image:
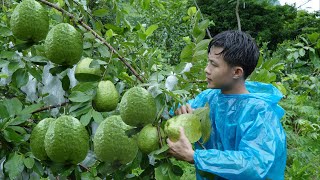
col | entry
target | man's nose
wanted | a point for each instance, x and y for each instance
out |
(206, 70)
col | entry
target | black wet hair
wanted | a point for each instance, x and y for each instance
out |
(239, 49)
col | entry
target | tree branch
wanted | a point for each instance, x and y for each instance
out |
(49, 107)
(80, 21)
(208, 32)
(237, 14)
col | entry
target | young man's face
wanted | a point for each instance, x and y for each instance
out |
(219, 74)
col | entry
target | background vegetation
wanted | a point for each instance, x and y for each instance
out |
(160, 39)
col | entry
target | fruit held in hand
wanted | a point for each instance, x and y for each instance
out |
(190, 123)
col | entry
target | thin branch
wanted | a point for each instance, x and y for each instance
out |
(208, 32)
(80, 21)
(49, 107)
(159, 133)
(237, 14)
(201, 145)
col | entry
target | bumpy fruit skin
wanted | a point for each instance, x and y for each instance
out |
(37, 138)
(29, 21)
(148, 139)
(111, 144)
(66, 140)
(191, 124)
(64, 45)
(138, 107)
(107, 97)
(86, 73)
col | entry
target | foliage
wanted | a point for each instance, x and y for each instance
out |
(265, 21)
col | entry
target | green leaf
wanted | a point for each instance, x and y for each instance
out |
(20, 119)
(77, 96)
(14, 166)
(202, 45)
(31, 108)
(186, 53)
(162, 172)
(20, 77)
(151, 29)
(7, 54)
(192, 11)
(11, 136)
(302, 52)
(58, 69)
(65, 83)
(3, 111)
(3, 75)
(100, 12)
(5, 32)
(206, 128)
(14, 106)
(200, 56)
(28, 162)
(160, 153)
(97, 116)
(104, 52)
(13, 66)
(85, 119)
(35, 73)
(40, 60)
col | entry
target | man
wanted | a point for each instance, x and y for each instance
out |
(247, 140)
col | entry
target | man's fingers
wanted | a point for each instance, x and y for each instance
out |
(189, 109)
(183, 110)
(178, 111)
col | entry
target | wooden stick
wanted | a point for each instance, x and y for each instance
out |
(49, 107)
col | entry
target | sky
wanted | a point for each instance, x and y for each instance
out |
(313, 5)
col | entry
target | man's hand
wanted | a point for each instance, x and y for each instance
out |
(182, 149)
(184, 109)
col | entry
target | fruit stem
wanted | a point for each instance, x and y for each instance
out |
(201, 145)
(80, 21)
(159, 133)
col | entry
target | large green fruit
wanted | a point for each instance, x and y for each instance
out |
(111, 143)
(37, 139)
(148, 139)
(138, 107)
(66, 140)
(107, 97)
(191, 124)
(85, 73)
(29, 21)
(64, 45)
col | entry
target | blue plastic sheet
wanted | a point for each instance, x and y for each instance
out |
(248, 141)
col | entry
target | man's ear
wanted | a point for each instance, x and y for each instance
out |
(237, 72)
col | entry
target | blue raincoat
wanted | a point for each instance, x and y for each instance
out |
(247, 139)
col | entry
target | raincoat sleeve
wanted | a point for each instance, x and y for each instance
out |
(255, 154)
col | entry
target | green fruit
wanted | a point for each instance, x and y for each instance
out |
(66, 140)
(111, 144)
(107, 97)
(148, 139)
(191, 124)
(85, 73)
(37, 139)
(64, 45)
(138, 107)
(29, 21)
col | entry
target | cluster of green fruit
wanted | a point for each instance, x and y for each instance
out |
(65, 139)
(63, 43)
